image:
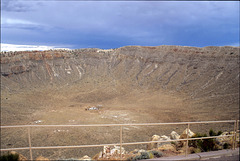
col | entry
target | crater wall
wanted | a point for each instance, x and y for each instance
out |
(198, 72)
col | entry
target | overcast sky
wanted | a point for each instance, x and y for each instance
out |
(113, 24)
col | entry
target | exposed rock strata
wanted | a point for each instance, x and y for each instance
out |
(199, 72)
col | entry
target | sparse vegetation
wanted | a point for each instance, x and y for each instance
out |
(213, 133)
(9, 157)
(206, 145)
(146, 155)
(226, 146)
(157, 154)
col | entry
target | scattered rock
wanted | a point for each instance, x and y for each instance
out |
(91, 108)
(116, 150)
(110, 152)
(58, 131)
(158, 138)
(164, 138)
(38, 121)
(167, 147)
(106, 149)
(141, 151)
(98, 107)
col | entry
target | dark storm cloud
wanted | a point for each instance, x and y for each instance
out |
(114, 23)
(14, 6)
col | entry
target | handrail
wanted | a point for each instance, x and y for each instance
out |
(134, 124)
(100, 145)
(121, 143)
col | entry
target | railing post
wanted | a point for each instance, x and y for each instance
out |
(29, 141)
(233, 137)
(235, 134)
(237, 130)
(187, 140)
(121, 142)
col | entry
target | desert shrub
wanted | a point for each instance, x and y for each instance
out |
(9, 157)
(145, 155)
(212, 133)
(157, 154)
(219, 133)
(197, 143)
(226, 146)
(204, 144)
(209, 145)
(151, 155)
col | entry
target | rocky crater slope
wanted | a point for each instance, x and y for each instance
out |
(132, 84)
(198, 72)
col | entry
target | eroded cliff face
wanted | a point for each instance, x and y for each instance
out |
(199, 72)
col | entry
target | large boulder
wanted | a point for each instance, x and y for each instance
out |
(158, 138)
(164, 138)
(174, 135)
(189, 133)
(181, 144)
(154, 145)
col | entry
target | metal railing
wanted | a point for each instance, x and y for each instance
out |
(30, 148)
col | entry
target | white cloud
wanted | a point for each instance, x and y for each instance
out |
(14, 47)
(9, 21)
